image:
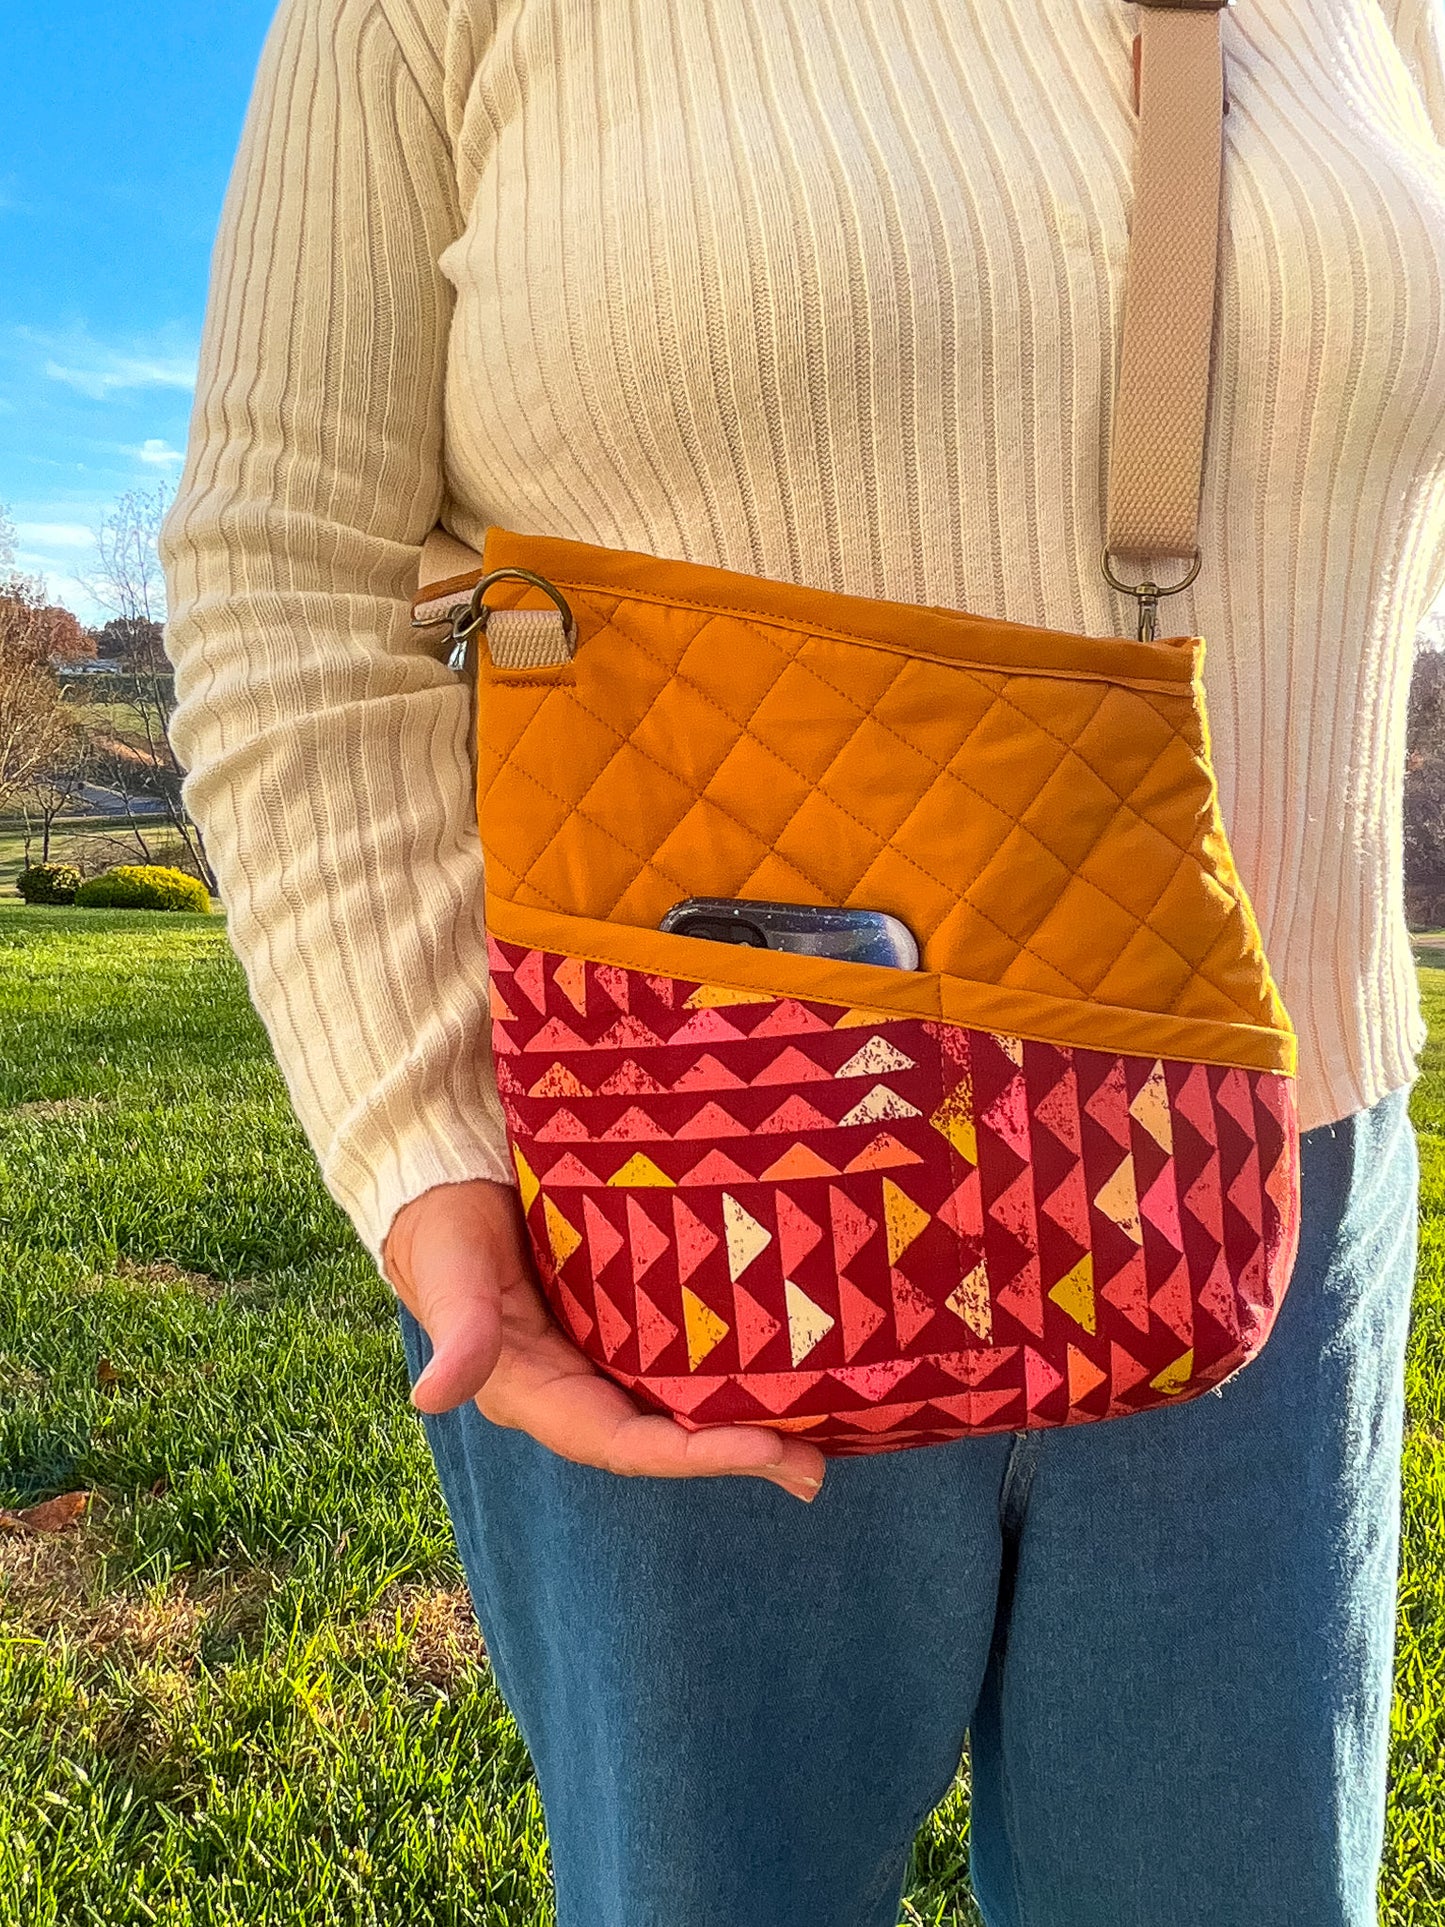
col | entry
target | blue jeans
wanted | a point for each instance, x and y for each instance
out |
(1168, 1636)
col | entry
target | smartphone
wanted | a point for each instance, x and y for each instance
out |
(849, 936)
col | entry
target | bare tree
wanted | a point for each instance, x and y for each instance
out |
(128, 580)
(129, 583)
(149, 789)
(34, 724)
(57, 789)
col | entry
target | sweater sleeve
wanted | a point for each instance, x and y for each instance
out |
(326, 748)
(1419, 30)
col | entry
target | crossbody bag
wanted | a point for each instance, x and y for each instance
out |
(1050, 1176)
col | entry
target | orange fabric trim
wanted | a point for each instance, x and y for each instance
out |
(896, 993)
(923, 630)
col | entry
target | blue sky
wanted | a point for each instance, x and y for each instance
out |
(117, 131)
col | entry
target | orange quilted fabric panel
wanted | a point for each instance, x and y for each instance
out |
(1037, 807)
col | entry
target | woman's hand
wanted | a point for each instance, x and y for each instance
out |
(457, 1258)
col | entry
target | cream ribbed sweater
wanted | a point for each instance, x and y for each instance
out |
(827, 290)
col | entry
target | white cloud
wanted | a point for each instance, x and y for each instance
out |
(60, 584)
(72, 594)
(55, 535)
(159, 453)
(60, 549)
(101, 380)
(100, 369)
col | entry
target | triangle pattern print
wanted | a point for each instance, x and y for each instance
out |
(880, 1231)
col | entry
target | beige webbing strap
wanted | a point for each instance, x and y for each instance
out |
(1157, 449)
(1157, 446)
(528, 639)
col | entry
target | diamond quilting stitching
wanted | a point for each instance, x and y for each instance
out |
(675, 666)
(910, 857)
(891, 844)
(1021, 940)
(972, 790)
(744, 727)
(641, 858)
(626, 740)
(1002, 701)
(1186, 855)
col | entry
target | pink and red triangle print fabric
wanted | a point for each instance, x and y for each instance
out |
(882, 1232)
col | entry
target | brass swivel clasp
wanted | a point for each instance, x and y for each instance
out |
(1147, 594)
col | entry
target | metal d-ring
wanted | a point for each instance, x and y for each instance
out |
(1148, 593)
(472, 620)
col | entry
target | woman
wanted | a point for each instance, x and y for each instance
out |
(830, 292)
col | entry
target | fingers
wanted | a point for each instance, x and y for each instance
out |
(451, 1256)
(580, 1415)
(465, 1330)
(457, 1259)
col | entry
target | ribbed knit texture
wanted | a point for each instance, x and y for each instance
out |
(826, 290)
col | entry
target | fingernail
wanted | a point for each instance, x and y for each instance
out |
(800, 1485)
(421, 1381)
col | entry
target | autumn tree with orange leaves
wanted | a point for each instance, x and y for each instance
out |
(38, 730)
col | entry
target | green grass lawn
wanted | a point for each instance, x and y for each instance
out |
(247, 1688)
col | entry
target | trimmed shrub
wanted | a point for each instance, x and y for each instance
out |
(143, 886)
(48, 883)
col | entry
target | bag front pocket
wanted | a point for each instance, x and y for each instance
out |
(754, 1206)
